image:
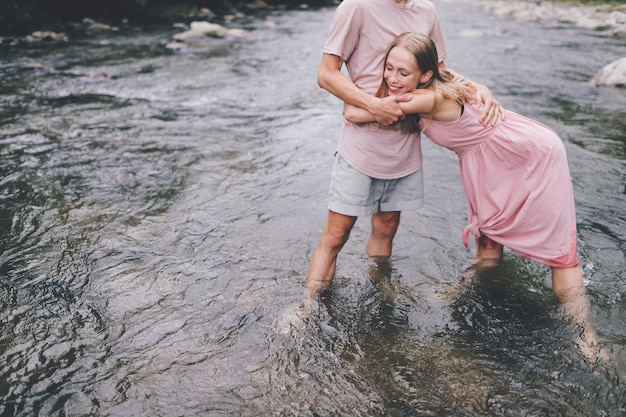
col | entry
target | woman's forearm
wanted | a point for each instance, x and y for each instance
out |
(354, 114)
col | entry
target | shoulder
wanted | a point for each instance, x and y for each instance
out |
(425, 94)
(349, 10)
(349, 5)
(371, 6)
(422, 102)
(424, 4)
(422, 91)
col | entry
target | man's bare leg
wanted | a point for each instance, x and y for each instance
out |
(324, 260)
(384, 227)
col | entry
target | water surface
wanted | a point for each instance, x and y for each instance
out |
(159, 208)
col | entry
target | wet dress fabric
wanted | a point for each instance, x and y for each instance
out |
(517, 184)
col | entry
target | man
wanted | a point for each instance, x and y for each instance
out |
(377, 169)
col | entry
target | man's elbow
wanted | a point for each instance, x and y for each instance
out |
(322, 80)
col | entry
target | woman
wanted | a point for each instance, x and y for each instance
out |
(515, 173)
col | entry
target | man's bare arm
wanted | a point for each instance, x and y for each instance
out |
(492, 110)
(386, 110)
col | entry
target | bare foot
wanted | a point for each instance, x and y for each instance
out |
(588, 344)
(293, 320)
(469, 277)
(576, 306)
(380, 274)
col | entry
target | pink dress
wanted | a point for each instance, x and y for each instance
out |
(517, 184)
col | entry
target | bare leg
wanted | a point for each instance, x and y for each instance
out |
(488, 249)
(384, 227)
(488, 252)
(321, 270)
(324, 261)
(567, 284)
(564, 279)
(380, 274)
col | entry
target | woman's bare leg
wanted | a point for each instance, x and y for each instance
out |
(567, 284)
(564, 279)
(488, 251)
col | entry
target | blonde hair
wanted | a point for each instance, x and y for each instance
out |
(448, 84)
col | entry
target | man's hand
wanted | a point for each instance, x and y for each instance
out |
(492, 110)
(388, 111)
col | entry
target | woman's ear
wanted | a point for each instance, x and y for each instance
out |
(426, 77)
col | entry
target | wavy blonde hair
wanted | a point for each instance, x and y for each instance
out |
(448, 84)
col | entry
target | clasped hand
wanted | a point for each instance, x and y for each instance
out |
(389, 111)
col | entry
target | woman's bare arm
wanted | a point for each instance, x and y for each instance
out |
(329, 77)
(421, 102)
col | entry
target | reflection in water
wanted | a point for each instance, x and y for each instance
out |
(504, 340)
(158, 211)
(521, 333)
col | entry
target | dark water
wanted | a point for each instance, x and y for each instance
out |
(158, 210)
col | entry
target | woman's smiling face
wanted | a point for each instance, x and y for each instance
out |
(401, 72)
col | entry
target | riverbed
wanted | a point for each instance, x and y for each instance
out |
(159, 209)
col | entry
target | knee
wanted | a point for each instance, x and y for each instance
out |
(385, 226)
(335, 237)
(386, 230)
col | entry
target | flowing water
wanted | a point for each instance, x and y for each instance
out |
(159, 208)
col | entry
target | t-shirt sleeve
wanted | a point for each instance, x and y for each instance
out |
(343, 36)
(436, 34)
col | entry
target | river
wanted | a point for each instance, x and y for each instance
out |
(159, 208)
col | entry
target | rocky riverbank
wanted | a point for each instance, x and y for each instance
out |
(39, 20)
(607, 18)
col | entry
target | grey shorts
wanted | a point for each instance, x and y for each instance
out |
(355, 194)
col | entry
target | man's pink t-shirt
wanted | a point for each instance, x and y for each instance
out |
(360, 33)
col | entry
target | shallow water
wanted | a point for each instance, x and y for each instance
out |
(159, 208)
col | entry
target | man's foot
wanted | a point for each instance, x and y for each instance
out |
(380, 274)
(294, 319)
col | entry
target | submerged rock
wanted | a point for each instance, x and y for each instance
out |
(93, 26)
(188, 34)
(608, 18)
(32, 66)
(203, 29)
(612, 75)
(45, 36)
(209, 29)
